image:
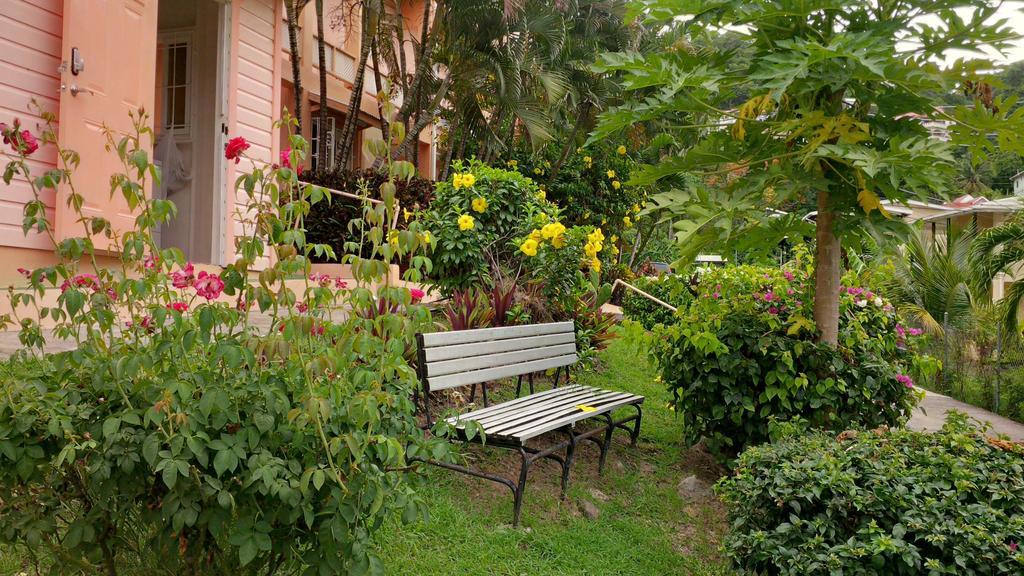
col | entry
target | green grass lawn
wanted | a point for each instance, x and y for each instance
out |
(644, 527)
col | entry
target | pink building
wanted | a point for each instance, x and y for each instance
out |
(207, 70)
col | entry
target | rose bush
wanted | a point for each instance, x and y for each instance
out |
(743, 353)
(179, 432)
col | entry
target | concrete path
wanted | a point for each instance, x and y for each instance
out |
(934, 411)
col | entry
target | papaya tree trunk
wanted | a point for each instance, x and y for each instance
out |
(827, 273)
(292, 12)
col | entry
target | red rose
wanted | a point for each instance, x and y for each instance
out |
(236, 146)
(29, 144)
(416, 294)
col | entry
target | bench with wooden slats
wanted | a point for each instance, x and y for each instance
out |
(475, 357)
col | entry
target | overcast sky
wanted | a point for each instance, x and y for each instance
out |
(1012, 11)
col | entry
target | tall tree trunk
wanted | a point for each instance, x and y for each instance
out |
(414, 97)
(292, 12)
(375, 55)
(446, 166)
(321, 152)
(570, 143)
(827, 273)
(355, 101)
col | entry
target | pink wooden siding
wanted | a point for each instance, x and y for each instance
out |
(256, 87)
(29, 56)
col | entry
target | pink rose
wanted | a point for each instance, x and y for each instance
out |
(184, 278)
(416, 294)
(302, 307)
(209, 286)
(151, 261)
(21, 141)
(178, 306)
(286, 160)
(340, 284)
(25, 272)
(235, 147)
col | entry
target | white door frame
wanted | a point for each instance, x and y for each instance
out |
(220, 166)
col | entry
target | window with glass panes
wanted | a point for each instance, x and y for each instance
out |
(177, 74)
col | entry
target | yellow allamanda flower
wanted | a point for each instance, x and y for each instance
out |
(425, 237)
(457, 181)
(615, 238)
(537, 171)
(592, 248)
(468, 180)
(627, 221)
(597, 236)
(406, 214)
(616, 184)
(595, 265)
(536, 235)
(542, 195)
(512, 163)
(588, 161)
(621, 150)
(393, 238)
(552, 230)
(466, 222)
(611, 173)
(636, 208)
(480, 204)
(558, 241)
(529, 247)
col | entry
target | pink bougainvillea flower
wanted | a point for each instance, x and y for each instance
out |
(417, 294)
(905, 380)
(1012, 546)
(82, 281)
(185, 277)
(178, 306)
(916, 331)
(788, 275)
(773, 311)
(716, 295)
(235, 147)
(769, 296)
(209, 286)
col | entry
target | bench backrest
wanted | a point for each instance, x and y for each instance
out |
(464, 357)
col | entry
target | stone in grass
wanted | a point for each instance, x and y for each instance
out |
(589, 509)
(598, 495)
(692, 490)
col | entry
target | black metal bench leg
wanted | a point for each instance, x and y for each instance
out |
(519, 386)
(570, 454)
(636, 427)
(606, 445)
(524, 469)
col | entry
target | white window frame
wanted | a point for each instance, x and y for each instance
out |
(169, 40)
(314, 141)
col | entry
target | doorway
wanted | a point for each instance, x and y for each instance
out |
(190, 116)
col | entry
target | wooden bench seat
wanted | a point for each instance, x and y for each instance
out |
(475, 357)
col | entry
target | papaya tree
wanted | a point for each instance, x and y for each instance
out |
(821, 108)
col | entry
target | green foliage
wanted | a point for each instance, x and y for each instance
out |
(328, 222)
(473, 257)
(744, 352)
(878, 502)
(671, 288)
(191, 439)
(582, 185)
(831, 88)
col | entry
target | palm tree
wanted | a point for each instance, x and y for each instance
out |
(1001, 250)
(934, 283)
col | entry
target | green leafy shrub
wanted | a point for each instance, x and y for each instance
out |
(474, 218)
(744, 352)
(327, 222)
(880, 502)
(671, 288)
(182, 434)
